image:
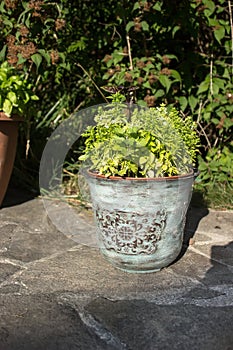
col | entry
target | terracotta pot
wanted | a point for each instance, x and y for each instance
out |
(140, 222)
(8, 144)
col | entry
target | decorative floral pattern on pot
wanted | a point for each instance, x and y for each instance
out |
(130, 233)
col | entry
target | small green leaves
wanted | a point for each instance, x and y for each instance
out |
(3, 52)
(209, 7)
(193, 101)
(217, 166)
(129, 26)
(204, 86)
(37, 59)
(7, 107)
(183, 102)
(157, 6)
(165, 81)
(45, 54)
(219, 33)
(152, 142)
(15, 92)
(145, 25)
(12, 97)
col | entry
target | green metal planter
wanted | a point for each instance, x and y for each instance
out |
(140, 222)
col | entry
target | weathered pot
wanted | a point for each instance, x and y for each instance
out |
(8, 145)
(140, 222)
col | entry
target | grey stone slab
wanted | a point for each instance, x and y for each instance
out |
(29, 246)
(143, 325)
(219, 222)
(192, 265)
(10, 288)
(36, 322)
(58, 294)
(206, 263)
(25, 241)
(30, 214)
(84, 269)
(217, 225)
(7, 270)
(221, 252)
(76, 222)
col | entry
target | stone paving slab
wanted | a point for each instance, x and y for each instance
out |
(58, 294)
(151, 326)
(37, 322)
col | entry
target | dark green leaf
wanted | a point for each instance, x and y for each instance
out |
(37, 59)
(129, 26)
(164, 80)
(219, 34)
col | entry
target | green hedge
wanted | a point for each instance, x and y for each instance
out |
(179, 53)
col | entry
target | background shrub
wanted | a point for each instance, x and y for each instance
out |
(179, 53)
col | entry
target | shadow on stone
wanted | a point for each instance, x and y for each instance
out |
(144, 325)
(198, 209)
(36, 322)
(199, 320)
(15, 196)
(215, 284)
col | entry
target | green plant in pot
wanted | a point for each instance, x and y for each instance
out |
(16, 97)
(138, 163)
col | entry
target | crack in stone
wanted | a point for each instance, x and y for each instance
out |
(78, 304)
(24, 266)
(13, 262)
(48, 257)
(230, 267)
(102, 332)
(30, 263)
(10, 280)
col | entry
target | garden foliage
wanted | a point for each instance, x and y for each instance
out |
(140, 142)
(177, 52)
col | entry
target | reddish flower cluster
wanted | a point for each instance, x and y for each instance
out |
(137, 24)
(140, 80)
(24, 31)
(152, 78)
(145, 5)
(165, 71)
(150, 100)
(59, 24)
(11, 4)
(54, 56)
(140, 64)
(36, 5)
(107, 58)
(26, 48)
(128, 77)
(166, 60)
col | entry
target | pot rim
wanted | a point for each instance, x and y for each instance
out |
(140, 179)
(12, 118)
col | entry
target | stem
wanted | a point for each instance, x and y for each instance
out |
(48, 114)
(211, 75)
(84, 70)
(231, 22)
(79, 105)
(201, 106)
(28, 139)
(199, 112)
(129, 52)
(204, 133)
